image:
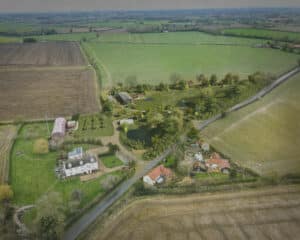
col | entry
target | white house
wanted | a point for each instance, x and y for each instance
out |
(86, 165)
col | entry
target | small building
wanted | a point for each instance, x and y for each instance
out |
(205, 147)
(128, 121)
(59, 128)
(198, 157)
(72, 125)
(76, 154)
(158, 175)
(86, 165)
(217, 164)
(124, 97)
(199, 166)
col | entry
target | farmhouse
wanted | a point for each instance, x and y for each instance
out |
(216, 164)
(124, 97)
(85, 165)
(158, 175)
(59, 128)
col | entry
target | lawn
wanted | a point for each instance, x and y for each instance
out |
(150, 63)
(265, 135)
(32, 175)
(91, 126)
(264, 33)
(111, 161)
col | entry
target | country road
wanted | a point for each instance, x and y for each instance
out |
(252, 99)
(90, 216)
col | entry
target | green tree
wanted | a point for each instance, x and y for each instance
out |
(6, 193)
(50, 219)
(203, 81)
(299, 62)
(213, 80)
(154, 119)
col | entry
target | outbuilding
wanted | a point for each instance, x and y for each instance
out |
(59, 128)
(124, 98)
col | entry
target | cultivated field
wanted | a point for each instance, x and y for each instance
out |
(265, 135)
(7, 135)
(271, 213)
(41, 54)
(264, 33)
(155, 63)
(35, 94)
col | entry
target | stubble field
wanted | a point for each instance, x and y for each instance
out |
(41, 54)
(46, 93)
(271, 213)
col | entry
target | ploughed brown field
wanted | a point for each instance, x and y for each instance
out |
(41, 54)
(35, 94)
(270, 213)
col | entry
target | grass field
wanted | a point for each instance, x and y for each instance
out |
(32, 175)
(264, 33)
(267, 213)
(265, 135)
(9, 39)
(7, 135)
(153, 64)
(111, 161)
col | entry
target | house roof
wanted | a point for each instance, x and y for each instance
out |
(160, 171)
(75, 163)
(215, 159)
(125, 97)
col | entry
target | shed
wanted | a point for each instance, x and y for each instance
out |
(59, 128)
(124, 97)
(128, 121)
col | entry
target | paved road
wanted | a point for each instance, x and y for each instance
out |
(89, 217)
(254, 98)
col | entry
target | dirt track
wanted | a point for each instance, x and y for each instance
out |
(272, 213)
(41, 54)
(26, 94)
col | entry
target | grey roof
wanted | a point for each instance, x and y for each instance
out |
(124, 97)
(75, 163)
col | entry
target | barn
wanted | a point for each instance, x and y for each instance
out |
(59, 128)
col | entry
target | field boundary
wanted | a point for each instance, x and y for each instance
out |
(281, 79)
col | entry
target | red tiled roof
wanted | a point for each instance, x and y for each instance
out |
(217, 160)
(160, 171)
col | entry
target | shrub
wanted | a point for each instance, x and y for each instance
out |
(6, 193)
(29, 40)
(41, 146)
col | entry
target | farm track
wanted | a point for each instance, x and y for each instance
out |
(7, 135)
(268, 213)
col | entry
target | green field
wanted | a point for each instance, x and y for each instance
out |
(32, 175)
(111, 161)
(264, 33)
(9, 39)
(150, 63)
(265, 135)
(154, 57)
